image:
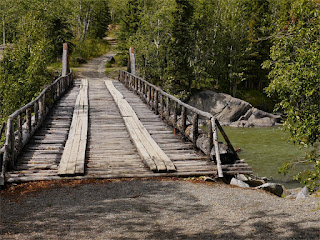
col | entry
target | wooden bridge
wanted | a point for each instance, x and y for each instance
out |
(96, 127)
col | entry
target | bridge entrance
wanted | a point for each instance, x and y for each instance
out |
(113, 146)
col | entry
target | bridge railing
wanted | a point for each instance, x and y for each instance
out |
(22, 124)
(176, 113)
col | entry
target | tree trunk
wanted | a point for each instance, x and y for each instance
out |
(3, 33)
(234, 91)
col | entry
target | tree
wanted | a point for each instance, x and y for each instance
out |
(23, 71)
(129, 25)
(295, 79)
(257, 17)
(180, 73)
(100, 20)
(152, 38)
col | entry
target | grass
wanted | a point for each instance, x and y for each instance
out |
(113, 71)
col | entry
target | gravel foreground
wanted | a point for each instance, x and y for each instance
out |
(155, 209)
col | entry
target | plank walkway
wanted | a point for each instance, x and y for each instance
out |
(149, 151)
(74, 154)
(110, 150)
(41, 156)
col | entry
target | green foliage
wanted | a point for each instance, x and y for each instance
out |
(295, 79)
(88, 49)
(186, 45)
(23, 69)
(100, 20)
(35, 31)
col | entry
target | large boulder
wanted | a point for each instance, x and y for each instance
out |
(232, 111)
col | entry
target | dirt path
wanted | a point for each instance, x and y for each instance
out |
(149, 209)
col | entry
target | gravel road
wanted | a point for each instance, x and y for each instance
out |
(155, 209)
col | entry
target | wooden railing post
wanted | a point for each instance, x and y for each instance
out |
(168, 109)
(175, 114)
(149, 96)
(145, 87)
(36, 112)
(161, 106)
(216, 147)
(184, 119)
(132, 61)
(28, 120)
(136, 84)
(195, 131)
(8, 158)
(20, 132)
(42, 107)
(156, 102)
(210, 136)
(65, 60)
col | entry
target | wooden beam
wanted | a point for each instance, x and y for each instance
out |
(216, 146)
(145, 144)
(73, 157)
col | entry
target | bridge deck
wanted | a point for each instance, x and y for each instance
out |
(110, 152)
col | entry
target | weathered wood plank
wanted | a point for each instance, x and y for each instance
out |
(73, 158)
(135, 127)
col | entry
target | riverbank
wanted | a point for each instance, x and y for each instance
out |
(153, 209)
(265, 149)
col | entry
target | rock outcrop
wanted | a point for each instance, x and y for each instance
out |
(232, 111)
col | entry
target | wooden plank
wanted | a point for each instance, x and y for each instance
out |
(135, 127)
(73, 158)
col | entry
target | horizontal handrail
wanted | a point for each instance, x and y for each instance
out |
(16, 113)
(22, 124)
(189, 107)
(155, 97)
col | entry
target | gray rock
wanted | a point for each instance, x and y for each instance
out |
(209, 179)
(242, 177)
(239, 183)
(226, 108)
(303, 193)
(275, 188)
(241, 123)
(261, 122)
(232, 111)
(255, 182)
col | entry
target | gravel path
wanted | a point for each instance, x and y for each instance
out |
(149, 209)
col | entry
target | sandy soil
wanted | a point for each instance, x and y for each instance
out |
(153, 209)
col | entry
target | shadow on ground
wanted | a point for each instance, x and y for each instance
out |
(147, 210)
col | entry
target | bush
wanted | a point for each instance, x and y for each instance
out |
(88, 49)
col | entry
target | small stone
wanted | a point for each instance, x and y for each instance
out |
(242, 177)
(239, 183)
(208, 179)
(275, 188)
(255, 182)
(303, 194)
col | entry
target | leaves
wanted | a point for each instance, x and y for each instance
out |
(295, 79)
